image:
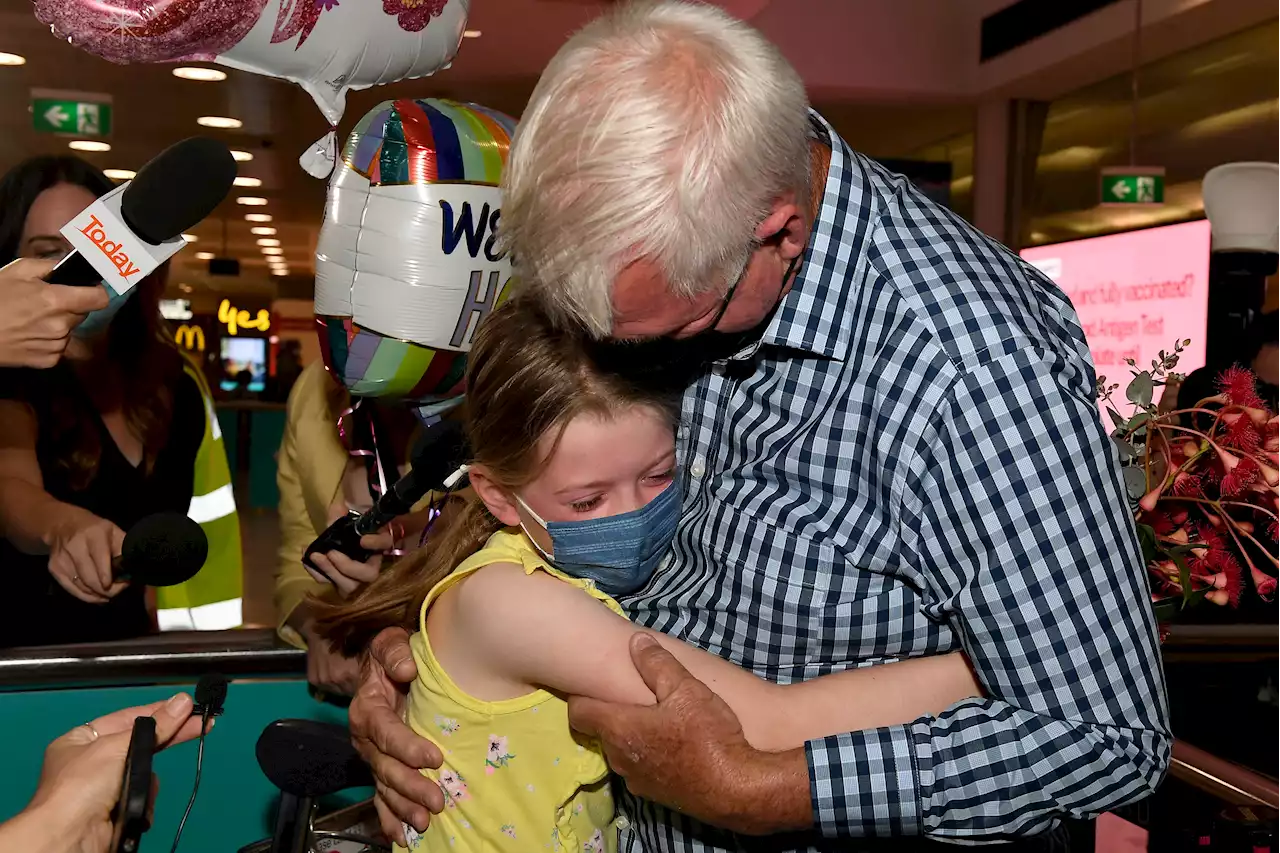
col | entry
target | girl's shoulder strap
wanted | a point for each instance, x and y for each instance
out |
(511, 546)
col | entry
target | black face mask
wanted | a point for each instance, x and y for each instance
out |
(674, 363)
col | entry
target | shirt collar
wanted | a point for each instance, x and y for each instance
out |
(809, 317)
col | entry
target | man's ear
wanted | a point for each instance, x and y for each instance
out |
(496, 498)
(785, 228)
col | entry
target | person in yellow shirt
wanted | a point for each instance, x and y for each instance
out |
(513, 598)
(319, 481)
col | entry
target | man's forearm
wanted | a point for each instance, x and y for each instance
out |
(772, 794)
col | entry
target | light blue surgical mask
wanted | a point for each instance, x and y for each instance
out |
(95, 321)
(619, 553)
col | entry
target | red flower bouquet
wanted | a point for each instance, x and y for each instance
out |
(1203, 486)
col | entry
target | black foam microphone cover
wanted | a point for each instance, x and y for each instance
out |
(179, 187)
(163, 549)
(211, 694)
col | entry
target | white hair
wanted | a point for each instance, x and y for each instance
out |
(664, 131)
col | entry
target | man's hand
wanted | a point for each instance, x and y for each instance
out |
(38, 317)
(688, 752)
(392, 750)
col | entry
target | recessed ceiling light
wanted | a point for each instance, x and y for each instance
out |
(241, 156)
(185, 288)
(471, 34)
(205, 256)
(263, 231)
(280, 271)
(12, 59)
(119, 174)
(89, 145)
(258, 217)
(190, 238)
(251, 200)
(246, 181)
(220, 122)
(272, 250)
(268, 241)
(204, 75)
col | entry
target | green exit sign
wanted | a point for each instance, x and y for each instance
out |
(1133, 185)
(71, 113)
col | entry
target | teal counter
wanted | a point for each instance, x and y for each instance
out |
(45, 692)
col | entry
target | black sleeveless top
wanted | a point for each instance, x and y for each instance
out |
(41, 612)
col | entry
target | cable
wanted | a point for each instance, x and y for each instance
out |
(204, 729)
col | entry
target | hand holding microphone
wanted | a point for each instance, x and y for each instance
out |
(39, 317)
(94, 559)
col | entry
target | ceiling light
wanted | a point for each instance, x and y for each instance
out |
(272, 250)
(190, 238)
(246, 181)
(258, 217)
(89, 145)
(268, 241)
(263, 231)
(12, 59)
(280, 271)
(471, 34)
(204, 75)
(219, 122)
(241, 156)
(185, 288)
(205, 256)
(251, 200)
(119, 174)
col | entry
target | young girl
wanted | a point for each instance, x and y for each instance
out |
(578, 500)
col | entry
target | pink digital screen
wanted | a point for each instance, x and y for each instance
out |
(1136, 293)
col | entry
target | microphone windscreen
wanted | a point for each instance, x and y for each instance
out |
(178, 188)
(438, 452)
(164, 549)
(211, 693)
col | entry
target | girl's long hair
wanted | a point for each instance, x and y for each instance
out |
(526, 379)
(144, 361)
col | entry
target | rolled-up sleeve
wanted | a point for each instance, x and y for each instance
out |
(1014, 516)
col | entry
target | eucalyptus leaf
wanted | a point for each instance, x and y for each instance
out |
(1116, 418)
(1127, 450)
(1136, 421)
(1147, 541)
(1184, 576)
(1140, 389)
(1135, 482)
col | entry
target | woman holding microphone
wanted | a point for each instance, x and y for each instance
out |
(91, 445)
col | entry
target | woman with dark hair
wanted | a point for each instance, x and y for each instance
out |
(92, 445)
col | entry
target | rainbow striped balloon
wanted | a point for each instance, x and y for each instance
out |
(428, 142)
(406, 264)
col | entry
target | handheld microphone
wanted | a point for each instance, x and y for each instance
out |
(164, 549)
(122, 237)
(435, 464)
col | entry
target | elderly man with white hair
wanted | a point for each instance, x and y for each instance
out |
(889, 448)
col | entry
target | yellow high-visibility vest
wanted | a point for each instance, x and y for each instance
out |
(210, 601)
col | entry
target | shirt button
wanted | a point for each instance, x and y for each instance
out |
(698, 468)
(623, 823)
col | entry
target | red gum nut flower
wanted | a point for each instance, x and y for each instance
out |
(1263, 583)
(1239, 387)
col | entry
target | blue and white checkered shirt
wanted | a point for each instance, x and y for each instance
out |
(911, 462)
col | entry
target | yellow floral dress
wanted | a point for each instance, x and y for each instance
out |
(515, 776)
